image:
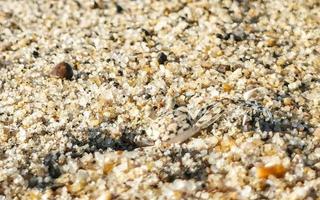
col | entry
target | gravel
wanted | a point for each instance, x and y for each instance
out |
(142, 73)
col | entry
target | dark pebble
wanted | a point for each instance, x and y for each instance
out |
(37, 182)
(98, 140)
(33, 182)
(223, 37)
(51, 162)
(116, 84)
(54, 170)
(98, 5)
(312, 193)
(120, 72)
(35, 54)
(63, 70)
(147, 96)
(147, 33)
(290, 150)
(239, 36)
(220, 36)
(119, 9)
(162, 58)
(95, 5)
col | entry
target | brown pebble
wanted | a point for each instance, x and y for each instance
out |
(271, 42)
(108, 167)
(99, 4)
(63, 70)
(223, 68)
(287, 101)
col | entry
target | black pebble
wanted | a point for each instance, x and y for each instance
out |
(147, 33)
(239, 36)
(162, 58)
(37, 182)
(290, 150)
(120, 72)
(119, 9)
(33, 182)
(98, 141)
(220, 36)
(223, 37)
(147, 96)
(54, 170)
(95, 5)
(35, 54)
(53, 167)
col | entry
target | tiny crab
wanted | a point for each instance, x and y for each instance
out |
(178, 125)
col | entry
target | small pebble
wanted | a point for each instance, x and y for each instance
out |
(276, 170)
(162, 58)
(35, 54)
(63, 70)
(271, 42)
(287, 101)
(223, 68)
(119, 9)
(227, 87)
(97, 5)
(179, 100)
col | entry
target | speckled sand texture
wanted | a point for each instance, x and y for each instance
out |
(167, 99)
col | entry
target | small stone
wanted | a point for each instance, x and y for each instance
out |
(206, 64)
(98, 5)
(108, 167)
(35, 54)
(227, 87)
(287, 101)
(223, 37)
(223, 68)
(239, 35)
(33, 195)
(219, 53)
(276, 170)
(281, 61)
(162, 58)
(295, 85)
(54, 171)
(33, 182)
(220, 36)
(53, 167)
(271, 42)
(63, 70)
(317, 134)
(105, 196)
(95, 5)
(119, 9)
(76, 186)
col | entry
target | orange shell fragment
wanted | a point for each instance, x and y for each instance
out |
(277, 171)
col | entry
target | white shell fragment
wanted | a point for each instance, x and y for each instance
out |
(255, 93)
